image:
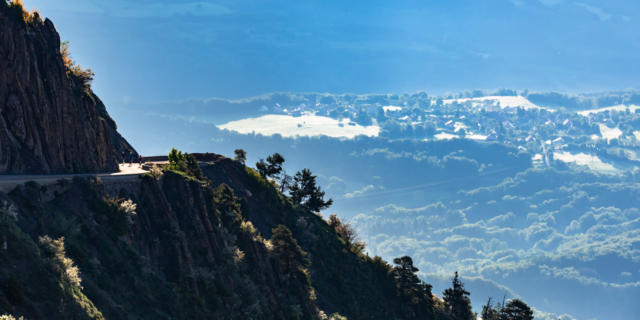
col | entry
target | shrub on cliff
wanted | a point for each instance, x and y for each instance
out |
(16, 9)
(176, 160)
(347, 233)
(54, 249)
(186, 164)
(85, 76)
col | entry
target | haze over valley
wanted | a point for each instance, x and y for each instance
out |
(497, 139)
(502, 186)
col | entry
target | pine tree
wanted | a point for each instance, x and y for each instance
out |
(457, 302)
(489, 312)
(516, 309)
(193, 167)
(410, 287)
(289, 254)
(405, 276)
(304, 192)
(241, 155)
(227, 205)
(272, 167)
(291, 262)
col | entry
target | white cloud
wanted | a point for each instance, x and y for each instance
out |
(445, 136)
(598, 12)
(307, 125)
(609, 133)
(551, 2)
(617, 108)
(541, 315)
(437, 208)
(391, 108)
(586, 160)
(360, 192)
(571, 273)
(500, 219)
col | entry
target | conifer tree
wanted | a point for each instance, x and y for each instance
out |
(489, 312)
(193, 167)
(290, 256)
(457, 302)
(272, 167)
(405, 276)
(304, 192)
(241, 155)
(227, 205)
(292, 263)
(410, 287)
(516, 309)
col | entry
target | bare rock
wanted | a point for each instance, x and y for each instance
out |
(50, 122)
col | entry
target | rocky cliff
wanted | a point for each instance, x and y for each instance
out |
(50, 120)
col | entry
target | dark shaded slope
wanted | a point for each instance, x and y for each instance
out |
(50, 120)
(348, 282)
(185, 254)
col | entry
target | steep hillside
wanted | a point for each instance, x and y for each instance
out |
(50, 120)
(174, 246)
(345, 280)
(178, 250)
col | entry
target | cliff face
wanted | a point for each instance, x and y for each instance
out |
(49, 121)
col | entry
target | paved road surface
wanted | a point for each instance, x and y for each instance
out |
(127, 172)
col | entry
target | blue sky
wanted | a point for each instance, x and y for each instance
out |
(172, 50)
(145, 53)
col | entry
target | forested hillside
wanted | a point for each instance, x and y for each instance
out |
(221, 242)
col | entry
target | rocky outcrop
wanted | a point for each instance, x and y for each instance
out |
(50, 122)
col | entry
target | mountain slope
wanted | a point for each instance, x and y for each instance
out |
(184, 253)
(177, 247)
(50, 120)
(345, 280)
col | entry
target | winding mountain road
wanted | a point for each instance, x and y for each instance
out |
(127, 172)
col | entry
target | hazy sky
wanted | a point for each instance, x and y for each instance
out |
(146, 51)
(158, 50)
